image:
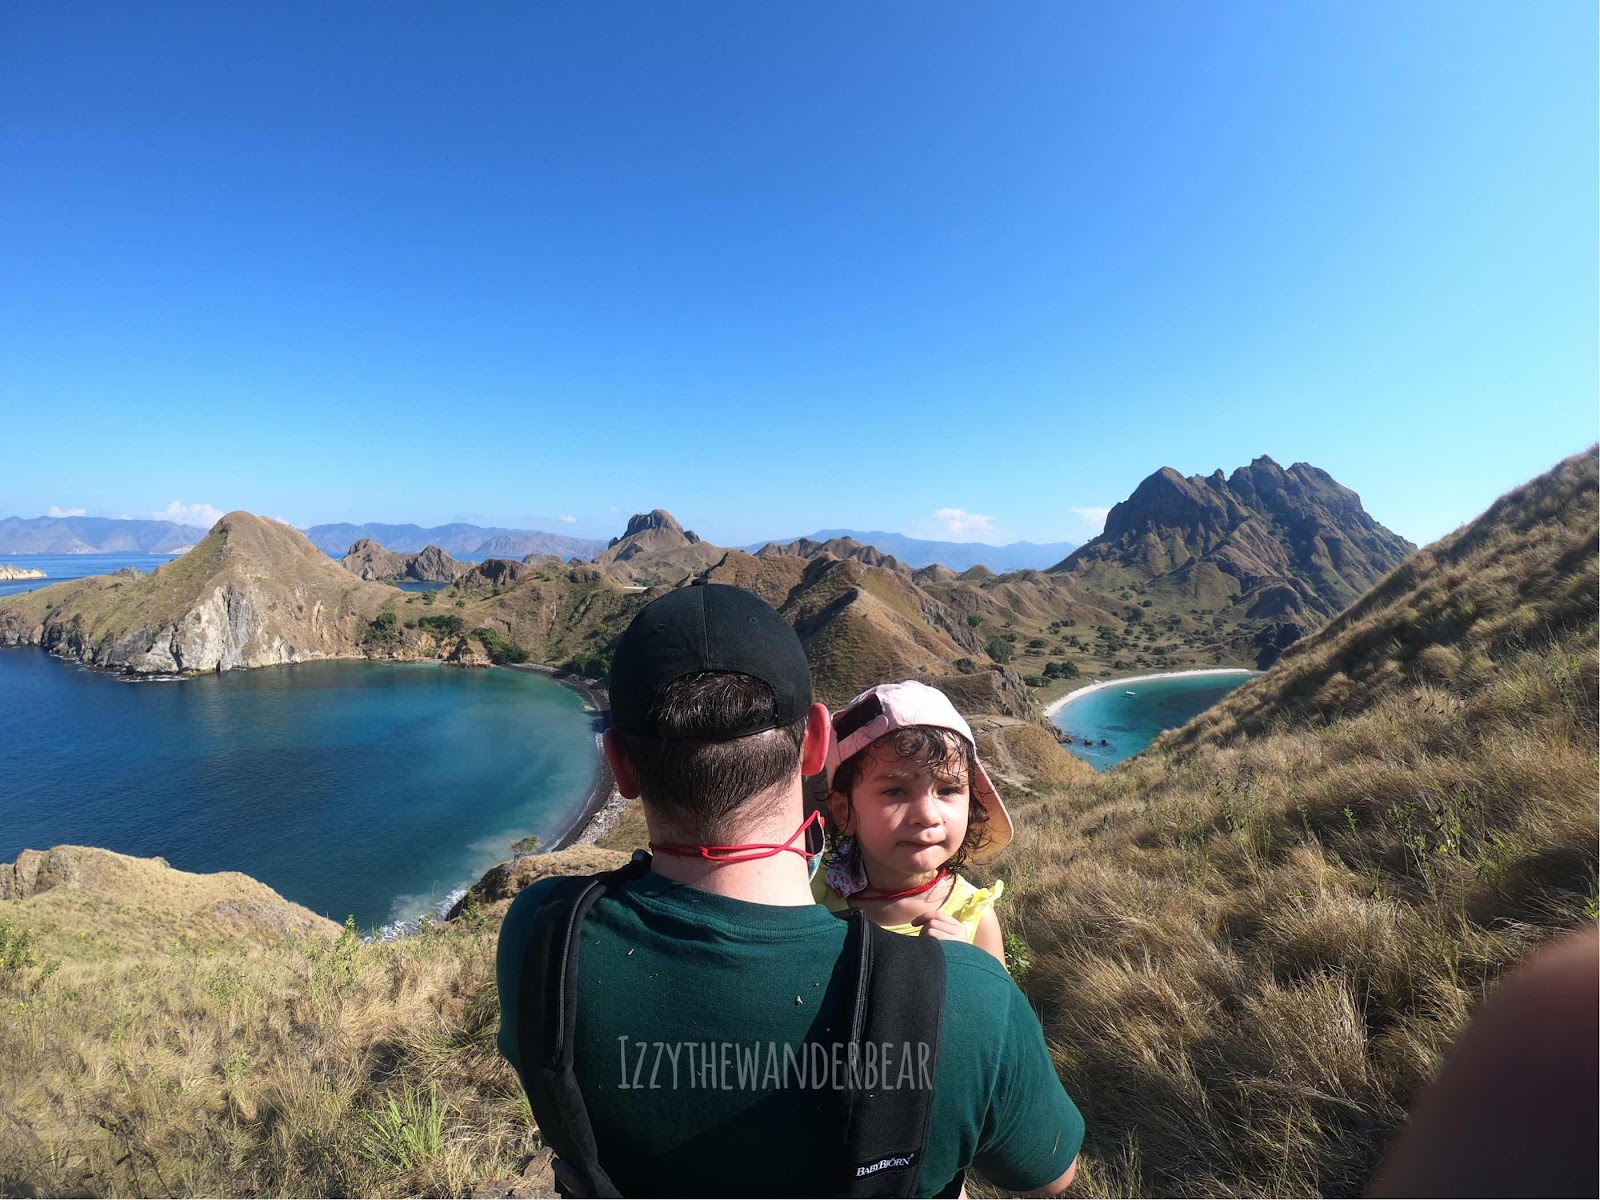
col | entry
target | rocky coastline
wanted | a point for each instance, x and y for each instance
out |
(10, 572)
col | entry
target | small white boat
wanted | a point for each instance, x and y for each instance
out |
(1130, 693)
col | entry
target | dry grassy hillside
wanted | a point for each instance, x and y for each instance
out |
(1251, 944)
(163, 1033)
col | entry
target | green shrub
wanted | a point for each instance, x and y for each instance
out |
(999, 648)
(444, 625)
(593, 664)
(383, 631)
(500, 651)
(16, 947)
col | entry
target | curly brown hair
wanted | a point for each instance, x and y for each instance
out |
(941, 751)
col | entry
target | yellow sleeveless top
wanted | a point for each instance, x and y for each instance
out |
(965, 903)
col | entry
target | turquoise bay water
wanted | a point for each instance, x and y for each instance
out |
(1129, 723)
(365, 789)
(72, 566)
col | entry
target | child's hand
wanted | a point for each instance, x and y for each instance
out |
(941, 925)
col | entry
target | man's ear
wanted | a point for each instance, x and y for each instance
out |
(621, 769)
(814, 746)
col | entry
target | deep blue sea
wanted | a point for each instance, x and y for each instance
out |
(1129, 723)
(72, 566)
(365, 789)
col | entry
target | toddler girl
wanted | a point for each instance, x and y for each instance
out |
(909, 803)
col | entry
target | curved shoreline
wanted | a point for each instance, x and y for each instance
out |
(602, 802)
(1055, 706)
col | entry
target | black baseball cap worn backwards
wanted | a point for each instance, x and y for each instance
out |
(708, 627)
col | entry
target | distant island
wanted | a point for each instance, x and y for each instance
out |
(9, 572)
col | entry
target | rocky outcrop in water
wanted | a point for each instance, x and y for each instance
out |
(9, 572)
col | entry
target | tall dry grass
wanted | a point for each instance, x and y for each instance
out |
(309, 1066)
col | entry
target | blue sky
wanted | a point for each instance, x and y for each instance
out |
(932, 267)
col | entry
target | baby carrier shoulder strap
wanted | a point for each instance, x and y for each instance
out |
(896, 990)
(546, 1017)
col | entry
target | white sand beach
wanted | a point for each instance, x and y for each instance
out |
(1056, 706)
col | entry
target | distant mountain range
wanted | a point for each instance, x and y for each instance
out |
(958, 556)
(459, 540)
(471, 543)
(94, 535)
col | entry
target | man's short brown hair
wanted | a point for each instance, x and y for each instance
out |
(691, 772)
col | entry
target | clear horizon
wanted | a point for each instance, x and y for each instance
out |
(964, 275)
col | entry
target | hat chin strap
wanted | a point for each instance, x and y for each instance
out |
(745, 853)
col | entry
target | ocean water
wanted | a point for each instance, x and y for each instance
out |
(1129, 723)
(364, 789)
(72, 566)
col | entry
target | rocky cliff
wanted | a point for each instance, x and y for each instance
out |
(9, 572)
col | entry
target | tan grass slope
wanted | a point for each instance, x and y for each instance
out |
(1251, 944)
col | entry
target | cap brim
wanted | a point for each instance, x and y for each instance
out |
(1000, 829)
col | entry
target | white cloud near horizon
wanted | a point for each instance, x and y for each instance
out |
(57, 511)
(1091, 519)
(203, 515)
(567, 519)
(961, 526)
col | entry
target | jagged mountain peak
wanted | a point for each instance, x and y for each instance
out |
(1265, 540)
(657, 519)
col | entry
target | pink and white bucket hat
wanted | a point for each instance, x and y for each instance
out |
(890, 706)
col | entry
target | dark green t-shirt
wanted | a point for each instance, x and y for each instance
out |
(702, 1050)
